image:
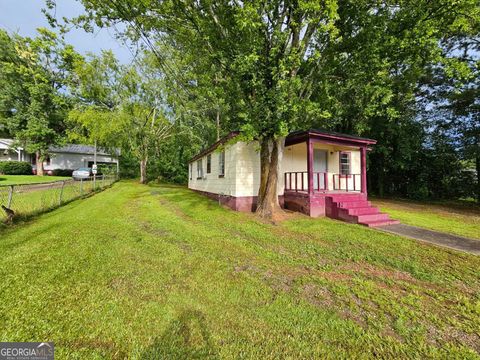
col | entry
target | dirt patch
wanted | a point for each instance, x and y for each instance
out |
(123, 286)
(318, 296)
(150, 229)
(176, 211)
(284, 215)
(450, 334)
(370, 270)
(105, 347)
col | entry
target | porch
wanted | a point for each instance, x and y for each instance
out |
(325, 174)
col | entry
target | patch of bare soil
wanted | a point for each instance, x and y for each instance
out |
(103, 346)
(150, 229)
(123, 286)
(453, 335)
(175, 210)
(318, 296)
(282, 215)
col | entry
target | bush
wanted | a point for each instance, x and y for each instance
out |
(15, 168)
(62, 172)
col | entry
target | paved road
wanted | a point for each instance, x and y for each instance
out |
(434, 237)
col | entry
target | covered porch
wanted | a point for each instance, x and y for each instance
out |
(325, 162)
(325, 174)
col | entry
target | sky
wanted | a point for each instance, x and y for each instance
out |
(25, 16)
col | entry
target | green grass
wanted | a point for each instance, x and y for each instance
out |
(160, 272)
(28, 179)
(452, 218)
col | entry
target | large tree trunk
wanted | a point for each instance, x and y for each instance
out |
(39, 161)
(270, 153)
(143, 170)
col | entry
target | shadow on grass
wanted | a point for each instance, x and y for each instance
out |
(187, 337)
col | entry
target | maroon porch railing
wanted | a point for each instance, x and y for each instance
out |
(351, 182)
(298, 181)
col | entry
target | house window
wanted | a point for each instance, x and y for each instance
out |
(345, 163)
(221, 164)
(209, 163)
(48, 161)
(199, 169)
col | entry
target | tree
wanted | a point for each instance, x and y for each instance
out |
(33, 102)
(96, 86)
(143, 108)
(119, 106)
(289, 64)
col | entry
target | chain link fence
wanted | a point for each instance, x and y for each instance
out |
(30, 199)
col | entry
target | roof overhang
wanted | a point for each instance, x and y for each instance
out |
(214, 146)
(297, 137)
(327, 137)
(6, 144)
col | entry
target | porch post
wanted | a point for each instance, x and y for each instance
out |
(310, 165)
(363, 164)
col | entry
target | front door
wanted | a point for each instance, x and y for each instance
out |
(319, 169)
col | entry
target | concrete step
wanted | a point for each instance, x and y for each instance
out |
(354, 204)
(372, 217)
(363, 210)
(347, 197)
(380, 223)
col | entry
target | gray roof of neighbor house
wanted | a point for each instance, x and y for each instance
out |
(82, 149)
(5, 143)
(69, 148)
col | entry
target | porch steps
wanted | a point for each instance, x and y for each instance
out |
(356, 209)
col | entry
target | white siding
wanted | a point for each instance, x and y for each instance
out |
(242, 168)
(74, 161)
(248, 169)
(212, 182)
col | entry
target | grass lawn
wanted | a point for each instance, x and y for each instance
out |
(161, 272)
(28, 179)
(457, 219)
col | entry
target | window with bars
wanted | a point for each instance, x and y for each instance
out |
(209, 163)
(199, 169)
(345, 163)
(221, 164)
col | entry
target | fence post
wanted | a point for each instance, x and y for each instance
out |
(103, 181)
(81, 187)
(10, 196)
(61, 193)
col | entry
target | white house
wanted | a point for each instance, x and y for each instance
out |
(321, 173)
(9, 153)
(70, 156)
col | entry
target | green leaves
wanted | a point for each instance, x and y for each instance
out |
(34, 73)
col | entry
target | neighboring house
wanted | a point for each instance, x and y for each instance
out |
(321, 174)
(8, 153)
(71, 156)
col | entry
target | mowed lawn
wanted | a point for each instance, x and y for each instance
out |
(453, 218)
(28, 179)
(158, 272)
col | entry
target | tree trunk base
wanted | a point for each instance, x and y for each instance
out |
(268, 204)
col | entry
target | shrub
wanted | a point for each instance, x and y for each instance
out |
(15, 168)
(62, 172)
